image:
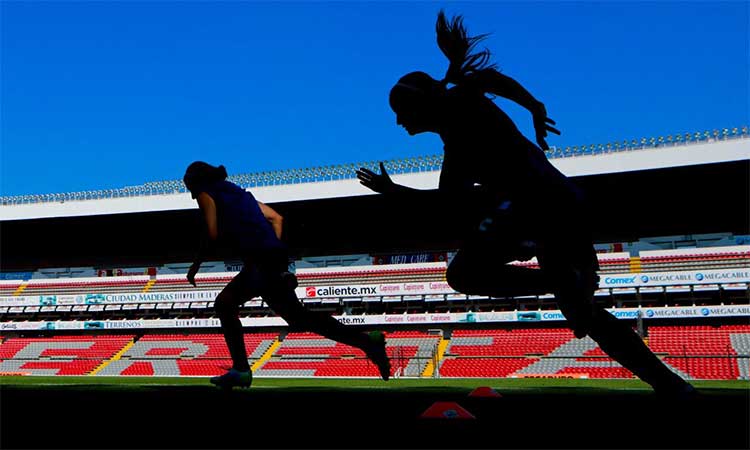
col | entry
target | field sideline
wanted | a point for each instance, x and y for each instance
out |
(188, 412)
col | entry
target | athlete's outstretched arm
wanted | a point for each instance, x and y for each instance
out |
(382, 182)
(506, 87)
(452, 185)
(276, 219)
(208, 208)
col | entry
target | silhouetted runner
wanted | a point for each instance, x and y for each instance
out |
(518, 203)
(238, 223)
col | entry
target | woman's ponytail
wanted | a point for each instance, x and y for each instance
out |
(457, 46)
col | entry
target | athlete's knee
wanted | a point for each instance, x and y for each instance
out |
(456, 278)
(225, 306)
(287, 280)
(295, 315)
(579, 327)
(278, 282)
(579, 318)
(602, 321)
(284, 302)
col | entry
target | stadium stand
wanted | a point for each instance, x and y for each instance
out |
(59, 355)
(506, 342)
(198, 354)
(9, 287)
(85, 285)
(648, 261)
(694, 351)
(419, 287)
(390, 273)
(698, 352)
(695, 258)
(705, 352)
(179, 282)
(618, 262)
(307, 354)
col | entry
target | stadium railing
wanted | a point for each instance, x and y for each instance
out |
(425, 163)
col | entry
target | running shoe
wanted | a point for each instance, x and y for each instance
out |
(377, 354)
(233, 378)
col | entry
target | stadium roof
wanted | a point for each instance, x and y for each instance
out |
(419, 172)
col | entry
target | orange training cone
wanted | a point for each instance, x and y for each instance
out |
(484, 391)
(446, 410)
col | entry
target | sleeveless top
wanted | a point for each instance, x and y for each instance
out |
(242, 227)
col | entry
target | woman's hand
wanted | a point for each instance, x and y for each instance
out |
(381, 183)
(542, 126)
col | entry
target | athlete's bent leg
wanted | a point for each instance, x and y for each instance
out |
(226, 305)
(574, 293)
(280, 296)
(623, 344)
(481, 273)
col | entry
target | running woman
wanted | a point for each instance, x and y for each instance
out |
(519, 205)
(236, 221)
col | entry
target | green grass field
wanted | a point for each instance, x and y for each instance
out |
(461, 383)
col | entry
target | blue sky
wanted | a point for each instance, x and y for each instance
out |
(99, 95)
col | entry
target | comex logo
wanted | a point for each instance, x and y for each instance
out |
(644, 278)
(649, 313)
(699, 276)
(705, 311)
(619, 280)
(310, 291)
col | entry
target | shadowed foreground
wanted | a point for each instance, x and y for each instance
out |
(197, 416)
